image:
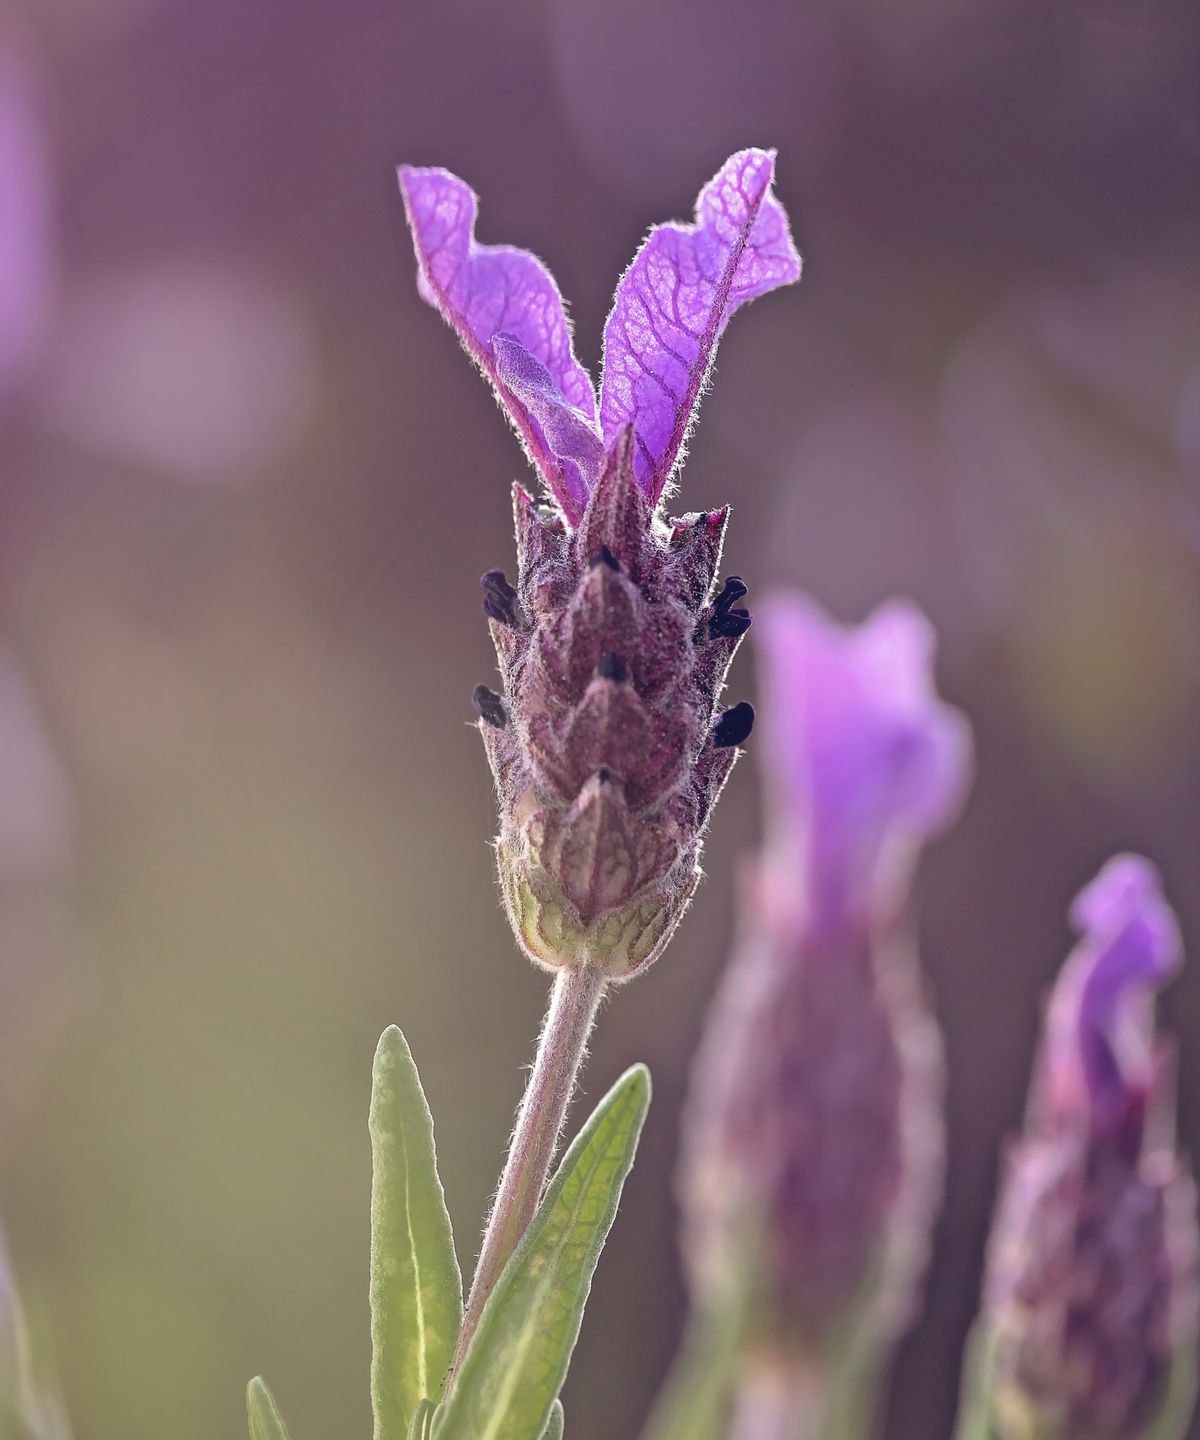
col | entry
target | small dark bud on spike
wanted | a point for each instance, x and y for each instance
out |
(732, 591)
(734, 725)
(497, 580)
(731, 624)
(500, 601)
(725, 620)
(604, 556)
(490, 706)
(612, 667)
(604, 774)
(496, 610)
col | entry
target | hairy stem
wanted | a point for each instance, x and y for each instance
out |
(779, 1404)
(561, 1049)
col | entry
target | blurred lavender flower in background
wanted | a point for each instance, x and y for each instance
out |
(814, 1140)
(196, 369)
(1091, 1307)
(606, 745)
(25, 205)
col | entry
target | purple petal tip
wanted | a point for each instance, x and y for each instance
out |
(1101, 1047)
(676, 298)
(485, 290)
(871, 763)
(1124, 907)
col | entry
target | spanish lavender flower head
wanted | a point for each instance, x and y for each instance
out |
(815, 1113)
(1091, 1311)
(605, 740)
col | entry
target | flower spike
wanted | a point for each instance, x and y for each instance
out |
(1091, 1302)
(675, 300)
(812, 1156)
(608, 744)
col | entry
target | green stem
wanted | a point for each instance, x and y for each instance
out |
(779, 1403)
(834, 1399)
(562, 1046)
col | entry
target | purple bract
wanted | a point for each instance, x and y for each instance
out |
(867, 761)
(670, 309)
(1099, 1061)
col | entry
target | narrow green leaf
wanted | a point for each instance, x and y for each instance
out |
(422, 1420)
(518, 1358)
(554, 1426)
(416, 1288)
(266, 1423)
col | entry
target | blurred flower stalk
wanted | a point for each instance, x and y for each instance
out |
(606, 741)
(813, 1149)
(1090, 1325)
(27, 1410)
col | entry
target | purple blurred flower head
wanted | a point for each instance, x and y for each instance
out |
(1100, 1065)
(816, 1108)
(866, 762)
(670, 309)
(1092, 1297)
(607, 745)
(25, 205)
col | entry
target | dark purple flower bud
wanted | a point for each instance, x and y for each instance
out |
(815, 1117)
(606, 742)
(1091, 1311)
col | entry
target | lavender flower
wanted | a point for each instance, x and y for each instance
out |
(605, 742)
(814, 1124)
(25, 244)
(1091, 1309)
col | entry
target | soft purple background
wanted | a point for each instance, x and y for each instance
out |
(247, 485)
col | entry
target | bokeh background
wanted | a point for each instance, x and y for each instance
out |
(247, 485)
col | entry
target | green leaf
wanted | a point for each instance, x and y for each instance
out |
(416, 1288)
(554, 1426)
(422, 1420)
(266, 1423)
(518, 1358)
